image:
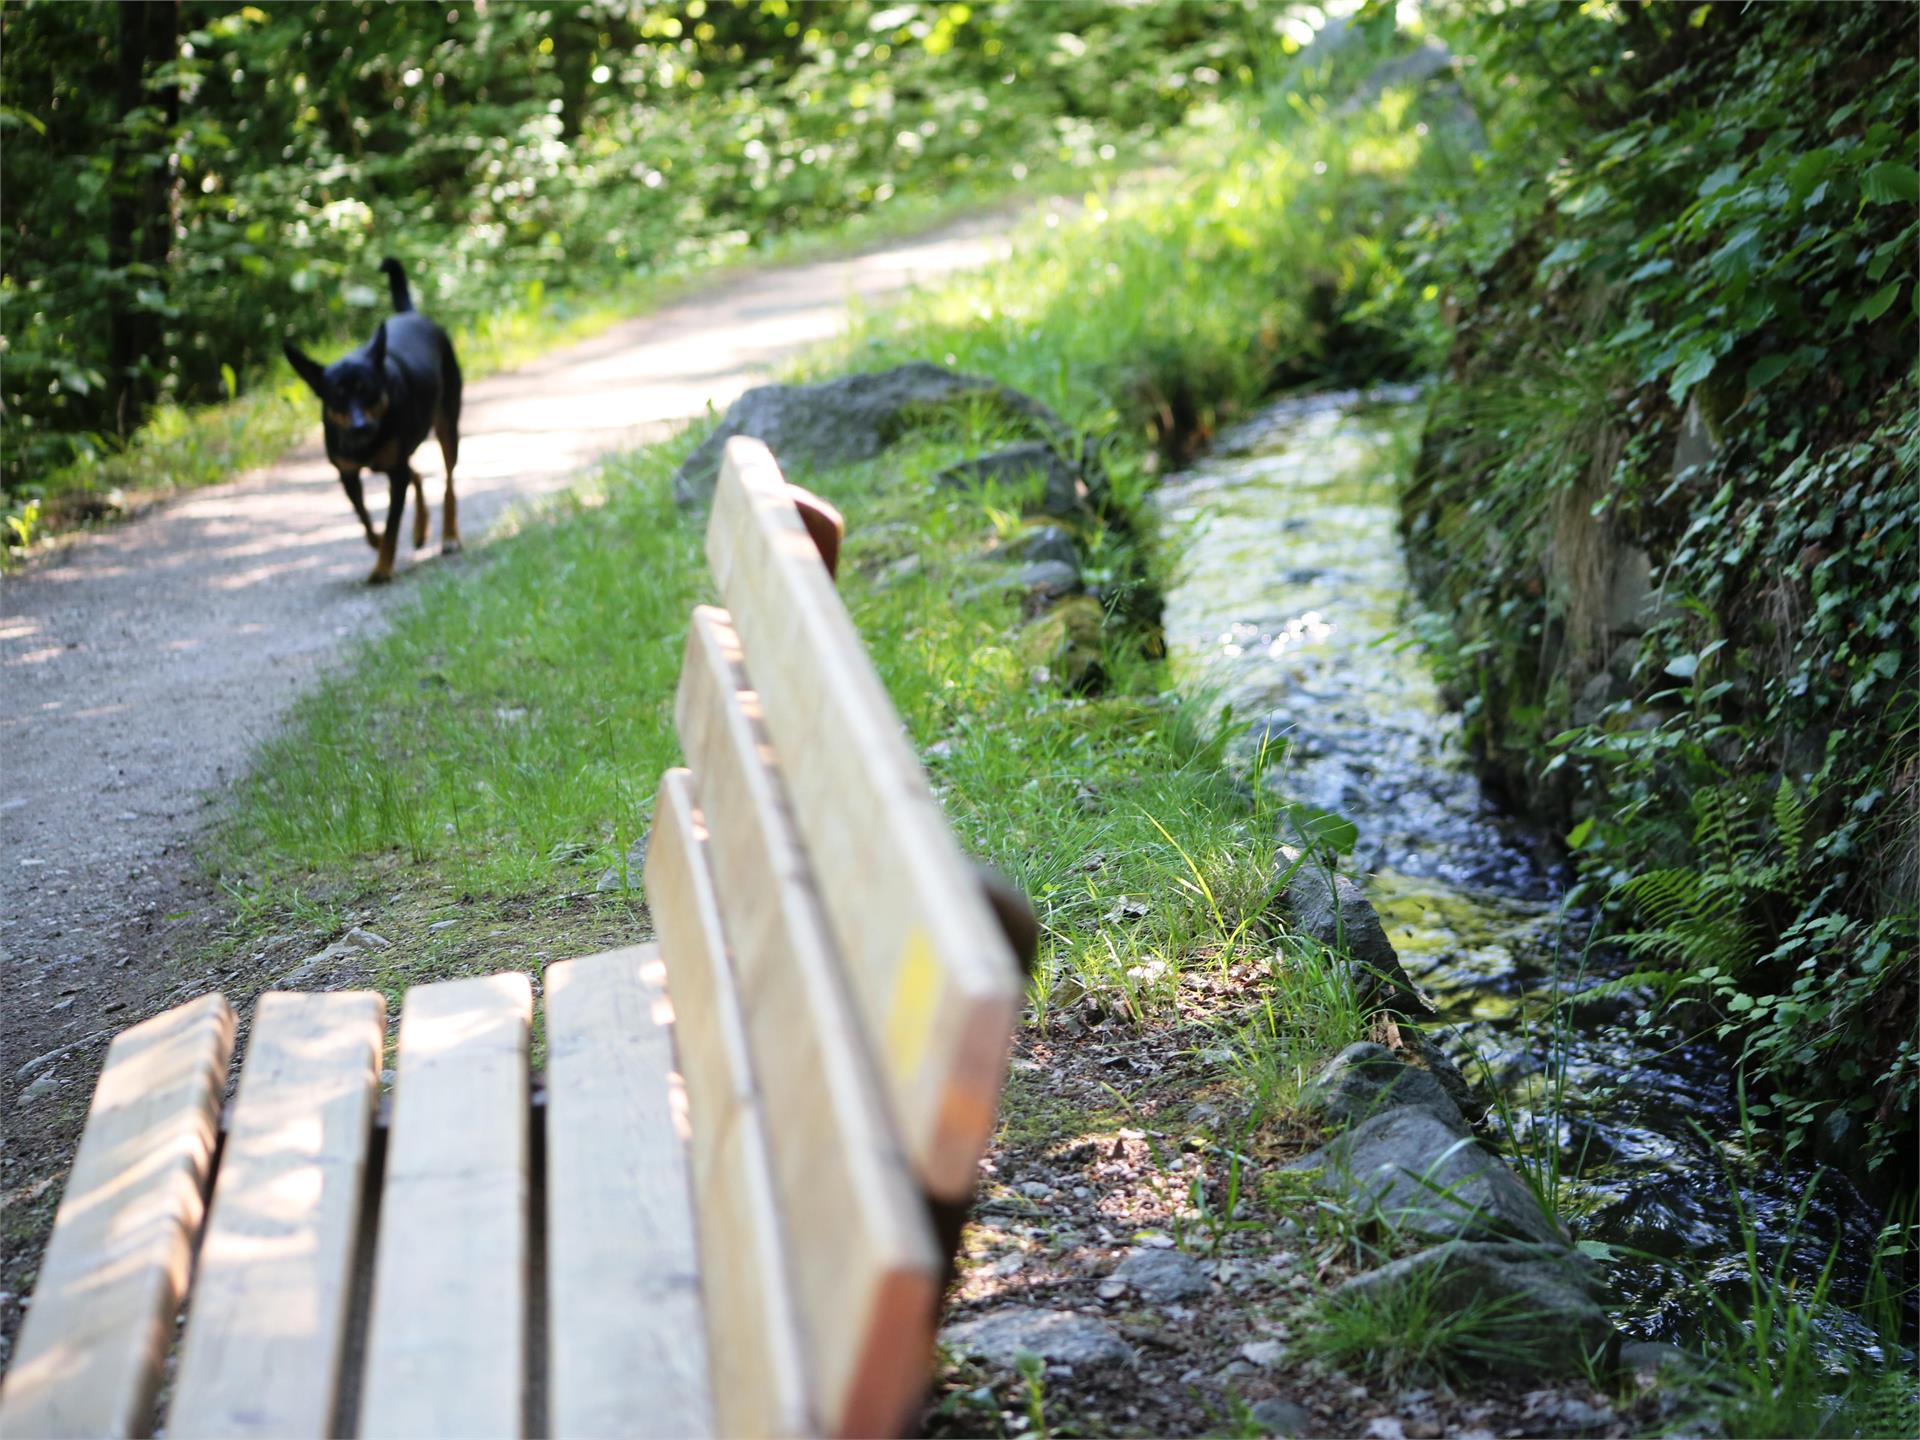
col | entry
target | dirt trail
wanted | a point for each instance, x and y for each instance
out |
(140, 667)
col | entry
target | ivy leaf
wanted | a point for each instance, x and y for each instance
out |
(1807, 172)
(1876, 304)
(1767, 368)
(1681, 667)
(1695, 365)
(1719, 180)
(1890, 183)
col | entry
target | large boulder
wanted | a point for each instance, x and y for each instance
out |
(1330, 908)
(1365, 1080)
(853, 418)
(1542, 1301)
(1419, 1174)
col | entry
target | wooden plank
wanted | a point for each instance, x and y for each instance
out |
(89, 1353)
(268, 1324)
(933, 975)
(864, 1261)
(759, 1380)
(626, 1355)
(446, 1339)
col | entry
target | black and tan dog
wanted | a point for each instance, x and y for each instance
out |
(378, 403)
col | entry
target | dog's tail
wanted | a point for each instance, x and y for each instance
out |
(397, 284)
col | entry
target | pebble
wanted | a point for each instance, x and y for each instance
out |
(1154, 1240)
(1282, 1418)
(1161, 1276)
(1034, 1189)
(1058, 1337)
(442, 924)
(1264, 1353)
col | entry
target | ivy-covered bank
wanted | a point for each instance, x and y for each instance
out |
(1667, 497)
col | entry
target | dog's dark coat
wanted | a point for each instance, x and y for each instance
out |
(379, 403)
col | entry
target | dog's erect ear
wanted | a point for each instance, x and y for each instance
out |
(378, 354)
(307, 368)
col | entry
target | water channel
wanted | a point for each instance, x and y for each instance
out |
(1292, 604)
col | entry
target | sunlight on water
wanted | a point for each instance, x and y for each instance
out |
(1290, 611)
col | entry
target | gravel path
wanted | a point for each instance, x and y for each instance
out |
(140, 666)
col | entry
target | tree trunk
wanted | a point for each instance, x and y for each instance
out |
(141, 215)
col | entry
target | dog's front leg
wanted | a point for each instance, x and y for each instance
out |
(397, 484)
(350, 479)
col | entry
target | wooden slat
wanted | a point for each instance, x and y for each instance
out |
(626, 1353)
(865, 1267)
(89, 1353)
(759, 1382)
(446, 1341)
(267, 1328)
(931, 971)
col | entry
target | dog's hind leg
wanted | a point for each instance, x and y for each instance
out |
(446, 429)
(350, 480)
(419, 511)
(397, 484)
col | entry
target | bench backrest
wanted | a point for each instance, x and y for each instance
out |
(844, 996)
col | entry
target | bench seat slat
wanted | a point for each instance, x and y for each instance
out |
(626, 1356)
(266, 1330)
(759, 1383)
(937, 984)
(866, 1272)
(446, 1340)
(115, 1268)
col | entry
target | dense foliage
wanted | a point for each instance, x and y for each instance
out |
(1668, 497)
(189, 182)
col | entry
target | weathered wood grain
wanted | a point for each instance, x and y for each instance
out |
(759, 1381)
(627, 1354)
(929, 967)
(267, 1328)
(865, 1266)
(446, 1339)
(89, 1353)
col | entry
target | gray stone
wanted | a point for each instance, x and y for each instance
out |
(1042, 581)
(1650, 1357)
(1421, 1175)
(1058, 1337)
(1330, 908)
(323, 964)
(1416, 1045)
(46, 1085)
(843, 421)
(1042, 542)
(1600, 691)
(610, 878)
(1264, 1353)
(1696, 444)
(1365, 1079)
(1065, 494)
(1162, 1276)
(1283, 1418)
(1551, 1294)
(1634, 601)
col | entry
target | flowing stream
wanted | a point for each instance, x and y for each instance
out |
(1292, 605)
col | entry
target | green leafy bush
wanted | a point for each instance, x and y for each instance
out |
(1668, 494)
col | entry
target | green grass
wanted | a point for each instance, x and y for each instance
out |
(1411, 1333)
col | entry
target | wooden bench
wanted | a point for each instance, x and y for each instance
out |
(721, 1214)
